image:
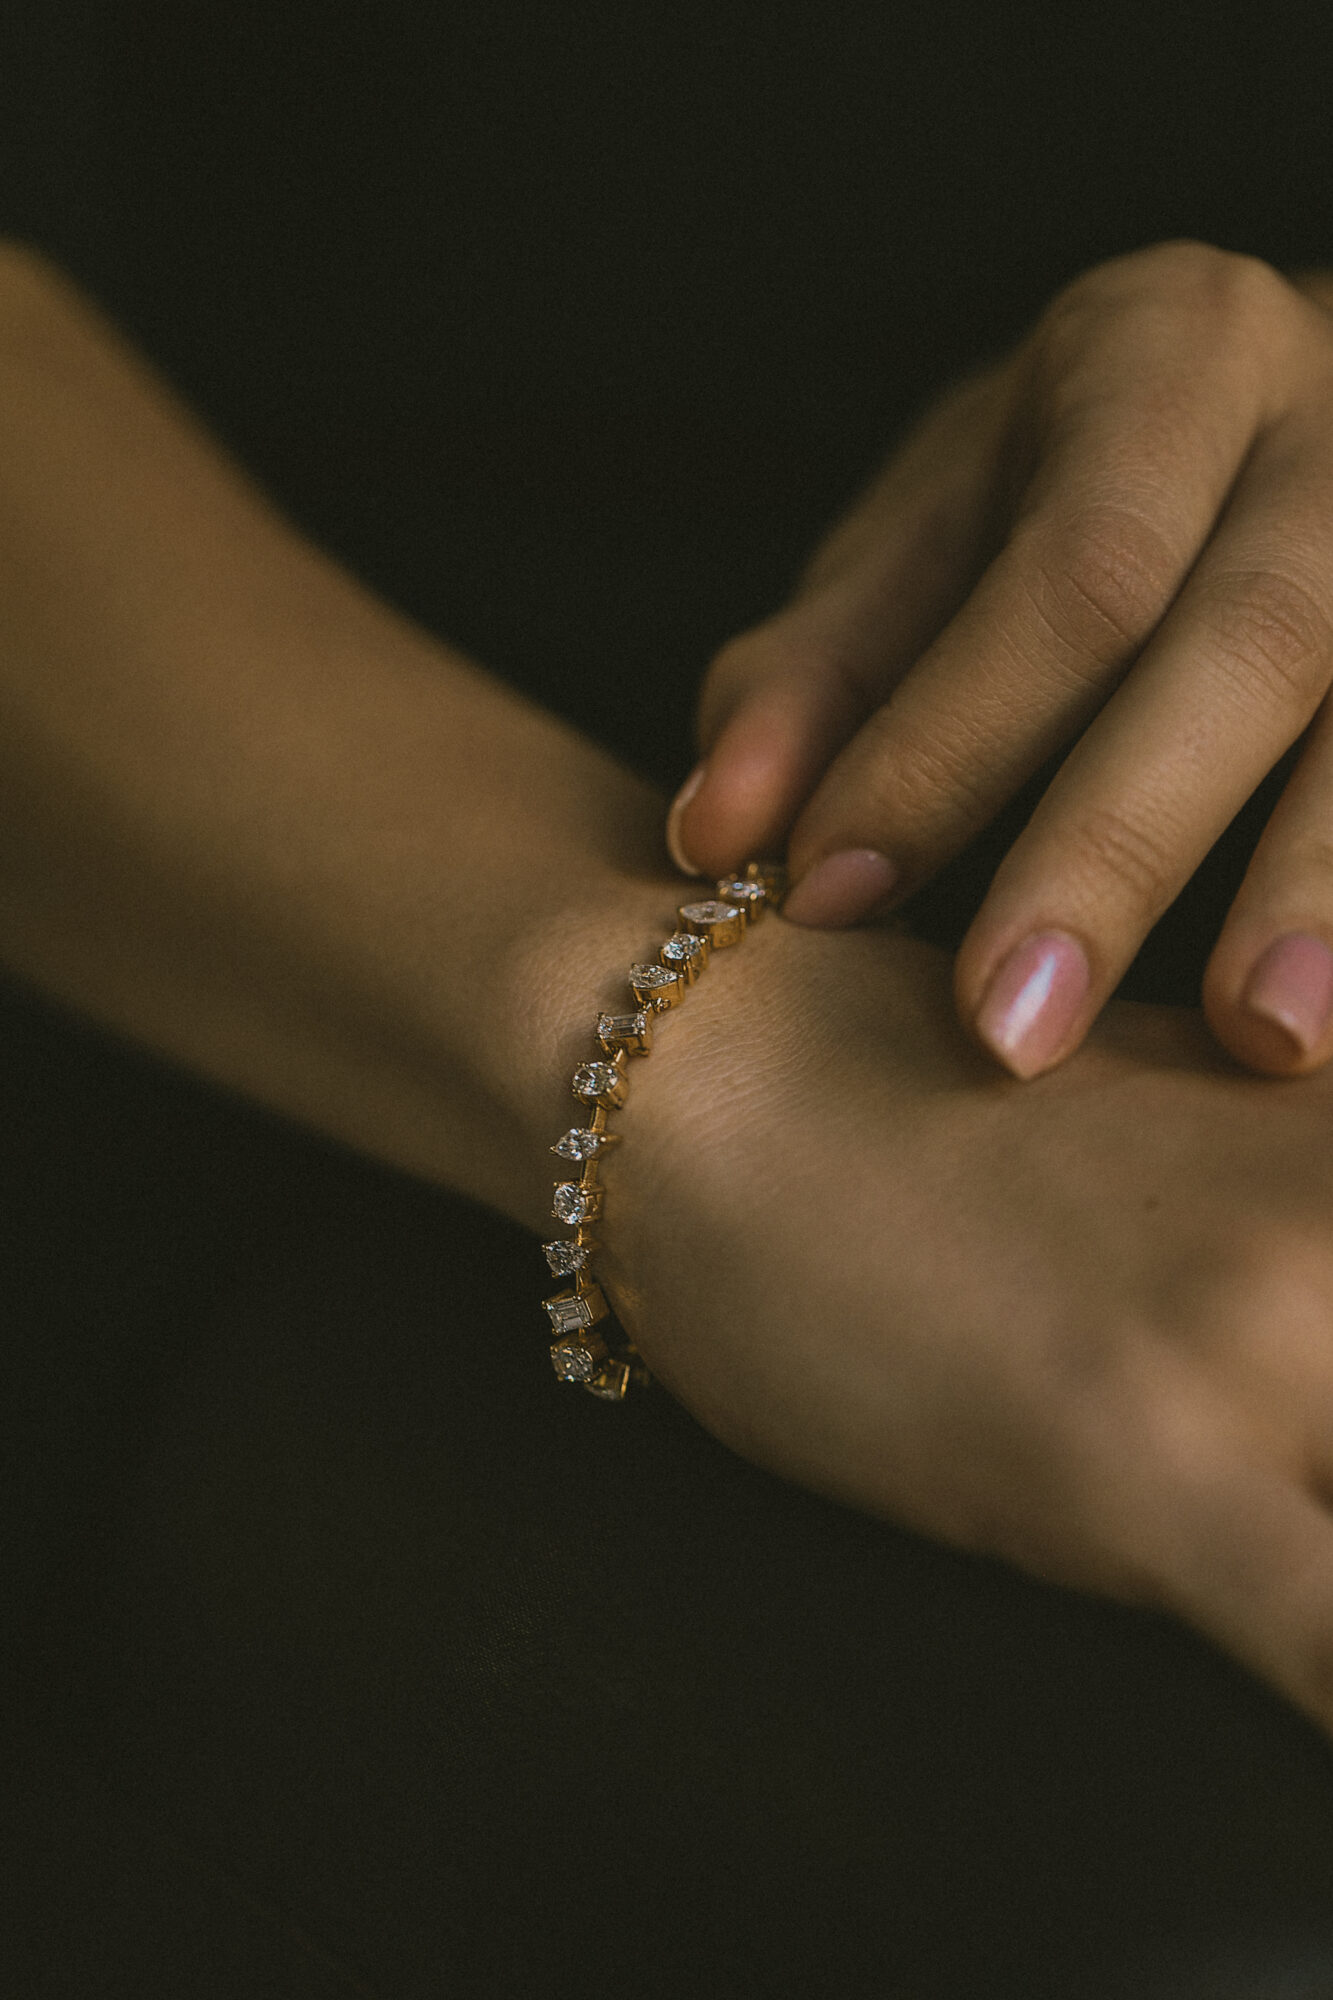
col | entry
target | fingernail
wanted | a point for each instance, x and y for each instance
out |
(841, 889)
(1033, 1001)
(674, 816)
(1292, 986)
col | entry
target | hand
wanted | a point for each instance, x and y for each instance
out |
(1120, 538)
(1081, 1324)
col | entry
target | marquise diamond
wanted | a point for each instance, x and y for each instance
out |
(579, 1144)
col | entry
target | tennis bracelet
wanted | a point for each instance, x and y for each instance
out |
(586, 1349)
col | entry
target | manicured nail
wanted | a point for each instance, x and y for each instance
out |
(674, 817)
(841, 889)
(1292, 986)
(1033, 1001)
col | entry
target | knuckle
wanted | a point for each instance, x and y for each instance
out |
(1133, 853)
(1100, 583)
(1269, 631)
(929, 780)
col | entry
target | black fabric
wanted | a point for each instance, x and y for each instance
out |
(349, 1655)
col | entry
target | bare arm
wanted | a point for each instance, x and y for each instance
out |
(254, 818)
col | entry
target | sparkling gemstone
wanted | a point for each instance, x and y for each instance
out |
(565, 1259)
(652, 975)
(570, 1312)
(707, 913)
(578, 1144)
(627, 1031)
(683, 949)
(623, 1026)
(595, 1079)
(573, 1204)
(572, 1361)
(745, 895)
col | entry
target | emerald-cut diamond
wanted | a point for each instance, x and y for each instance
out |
(565, 1260)
(570, 1312)
(631, 1032)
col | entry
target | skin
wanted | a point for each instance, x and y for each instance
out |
(256, 820)
(1114, 545)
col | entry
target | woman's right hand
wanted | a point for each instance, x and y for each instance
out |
(1083, 1324)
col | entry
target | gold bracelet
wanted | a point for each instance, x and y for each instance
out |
(584, 1349)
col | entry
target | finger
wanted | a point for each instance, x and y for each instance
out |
(1268, 988)
(1232, 679)
(780, 701)
(1144, 414)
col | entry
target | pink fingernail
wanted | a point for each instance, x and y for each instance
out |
(841, 889)
(1033, 1001)
(1292, 986)
(674, 817)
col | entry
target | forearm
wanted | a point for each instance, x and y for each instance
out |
(257, 820)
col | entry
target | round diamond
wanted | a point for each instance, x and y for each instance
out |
(683, 948)
(572, 1362)
(594, 1079)
(572, 1204)
(749, 896)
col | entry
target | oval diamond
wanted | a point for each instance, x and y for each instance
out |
(572, 1361)
(594, 1079)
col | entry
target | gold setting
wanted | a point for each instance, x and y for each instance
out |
(608, 1367)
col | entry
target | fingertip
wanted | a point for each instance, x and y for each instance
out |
(674, 835)
(1035, 1004)
(740, 799)
(1281, 1022)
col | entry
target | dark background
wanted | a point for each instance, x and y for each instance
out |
(344, 1660)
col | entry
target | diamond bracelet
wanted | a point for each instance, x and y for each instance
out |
(584, 1350)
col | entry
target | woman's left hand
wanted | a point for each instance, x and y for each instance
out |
(1121, 539)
